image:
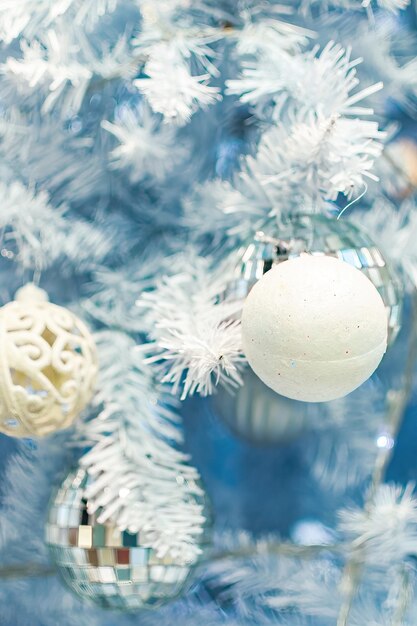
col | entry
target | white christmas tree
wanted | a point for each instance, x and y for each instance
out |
(144, 145)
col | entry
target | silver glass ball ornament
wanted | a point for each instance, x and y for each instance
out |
(105, 565)
(258, 414)
(254, 411)
(319, 235)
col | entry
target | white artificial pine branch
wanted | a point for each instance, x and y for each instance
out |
(182, 42)
(26, 17)
(239, 209)
(147, 147)
(70, 164)
(317, 147)
(61, 65)
(394, 61)
(196, 339)
(179, 61)
(37, 235)
(386, 531)
(38, 68)
(114, 293)
(322, 156)
(88, 12)
(161, 12)
(269, 35)
(171, 89)
(280, 584)
(391, 5)
(141, 480)
(314, 82)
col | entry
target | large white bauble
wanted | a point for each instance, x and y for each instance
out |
(314, 328)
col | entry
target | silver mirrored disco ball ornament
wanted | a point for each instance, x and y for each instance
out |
(105, 565)
(255, 412)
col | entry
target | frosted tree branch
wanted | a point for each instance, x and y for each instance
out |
(386, 531)
(37, 235)
(62, 65)
(196, 339)
(146, 147)
(141, 480)
(25, 17)
(321, 82)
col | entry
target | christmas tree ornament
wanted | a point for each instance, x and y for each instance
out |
(106, 565)
(314, 328)
(254, 411)
(319, 234)
(258, 414)
(48, 365)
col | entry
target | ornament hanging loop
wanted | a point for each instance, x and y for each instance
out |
(31, 293)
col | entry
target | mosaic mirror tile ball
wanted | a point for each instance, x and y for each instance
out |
(105, 565)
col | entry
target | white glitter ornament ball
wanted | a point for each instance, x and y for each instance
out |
(48, 365)
(314, 328)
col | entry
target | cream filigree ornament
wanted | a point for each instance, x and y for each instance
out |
(48, 365)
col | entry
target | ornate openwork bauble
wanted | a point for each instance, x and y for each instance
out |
(103, 564)
(48, 365)
(255, 412)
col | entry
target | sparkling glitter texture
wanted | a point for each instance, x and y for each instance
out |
(103, 564)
